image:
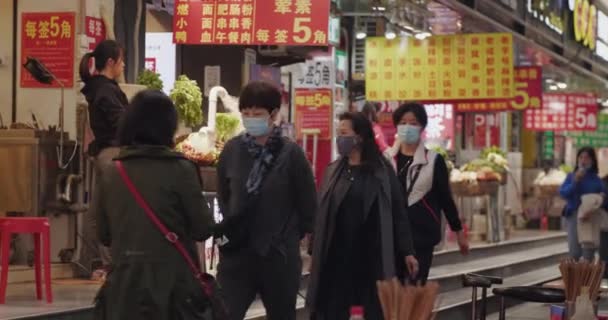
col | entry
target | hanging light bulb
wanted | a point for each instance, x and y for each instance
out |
(361, 33)
(422, 35)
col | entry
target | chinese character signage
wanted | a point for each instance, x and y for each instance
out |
(95, 31)
(548, 145)
(314, 74)
(251, 22)
(460, 67)
(528, 94)
(313, 111)
(440, 127)
(594, 139)
(563, 112)
(49, 37)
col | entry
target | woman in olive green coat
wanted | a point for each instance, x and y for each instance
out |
(149, 278)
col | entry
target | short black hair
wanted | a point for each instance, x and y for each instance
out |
(416, 108)
(150, 119)
(260, 94)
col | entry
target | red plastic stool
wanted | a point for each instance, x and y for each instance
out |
(40, 228)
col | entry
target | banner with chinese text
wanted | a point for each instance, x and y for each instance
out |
(595, 139)
(459, 67)
(254, 22)
(528, 94)
(95, 31)
(314, 74)
(563, 112)
(48, 37)
(312, 110)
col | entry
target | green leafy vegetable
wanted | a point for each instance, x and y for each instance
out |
(566, 168)
(150, 79)
(493, 149)
(188, 99)
(479, 164)
(225, 126)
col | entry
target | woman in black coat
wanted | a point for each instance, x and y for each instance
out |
(362, 232)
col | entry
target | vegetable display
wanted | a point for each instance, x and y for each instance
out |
(201, 158)
(226, 126)
(188, 99)
(552, 178)
(492, 165)
(204, 149)
(150, 79)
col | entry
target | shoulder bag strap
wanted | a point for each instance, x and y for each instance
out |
(169, 235)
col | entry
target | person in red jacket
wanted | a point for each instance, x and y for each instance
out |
(370, 110)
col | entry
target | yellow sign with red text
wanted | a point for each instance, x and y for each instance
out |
(460, 67)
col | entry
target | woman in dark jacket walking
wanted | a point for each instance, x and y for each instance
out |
(426, 182)
(149, 278)
(107, 103)
(362, 233)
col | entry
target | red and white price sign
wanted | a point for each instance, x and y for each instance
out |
(564, 112)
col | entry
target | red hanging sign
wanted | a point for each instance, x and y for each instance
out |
(251, 22)
(48, 37)
(95, 31)
(528, 94)
(564, 112)
(313, 111)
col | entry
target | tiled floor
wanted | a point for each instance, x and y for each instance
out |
(67, 295)
(71, 295)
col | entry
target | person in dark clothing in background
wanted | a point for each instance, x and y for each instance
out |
(362, 233)
(426, 182)
(107, 103)
(267, 195)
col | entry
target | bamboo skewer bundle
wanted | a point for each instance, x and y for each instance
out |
(407, 302)
(577, 275)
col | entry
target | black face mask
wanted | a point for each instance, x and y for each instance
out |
(346, 144)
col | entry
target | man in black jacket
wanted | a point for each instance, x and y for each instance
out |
(267, 195)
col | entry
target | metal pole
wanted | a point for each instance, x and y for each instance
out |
(474, 304)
